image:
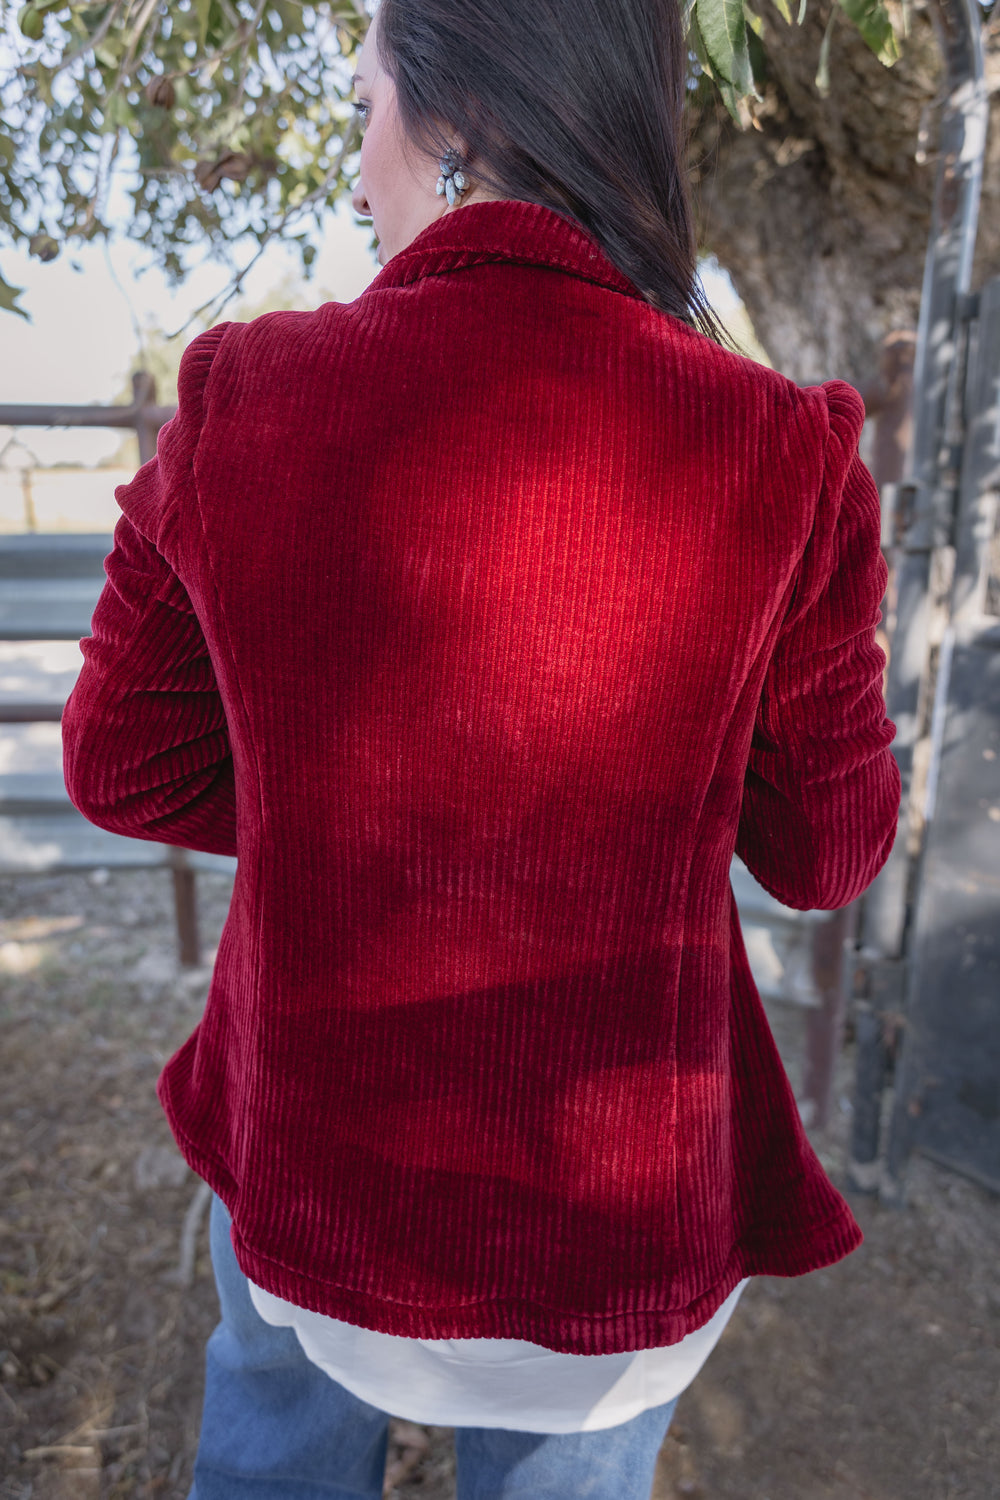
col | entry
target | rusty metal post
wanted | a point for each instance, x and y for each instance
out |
(148, 420)
(825, 1022)
(888, 402)
(146, 416)
(185, 907)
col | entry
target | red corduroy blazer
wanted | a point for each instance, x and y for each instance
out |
(483, 618)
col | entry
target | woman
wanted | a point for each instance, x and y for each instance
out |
(484, 618)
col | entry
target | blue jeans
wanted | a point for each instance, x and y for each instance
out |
(275, 1427)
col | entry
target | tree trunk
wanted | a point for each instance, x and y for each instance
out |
(820, 210)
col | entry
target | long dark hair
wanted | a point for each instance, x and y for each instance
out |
(573, 104)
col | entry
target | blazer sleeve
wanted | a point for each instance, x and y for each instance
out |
(822, 788)
(146, 749)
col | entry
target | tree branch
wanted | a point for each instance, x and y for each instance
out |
(84, 47)
(245, 59)
(140, 26)
(215, 304)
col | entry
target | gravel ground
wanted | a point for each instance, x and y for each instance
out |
(875, 1380)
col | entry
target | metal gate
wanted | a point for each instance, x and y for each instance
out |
(928, 1015)
(948, 1074)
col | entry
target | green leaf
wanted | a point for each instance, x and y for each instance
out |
(697, 45)
(31, 22)
(784, 10)
(118, 112)
(872, 20)
(724, 30)
(731, 100)
(823, 69)
(8, 299)
(802, 11)
(203, 10)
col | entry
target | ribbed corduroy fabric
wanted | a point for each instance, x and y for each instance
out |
(483, 618)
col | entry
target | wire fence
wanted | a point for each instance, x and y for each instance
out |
(39, 498)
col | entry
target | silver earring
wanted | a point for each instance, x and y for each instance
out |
(453, 182)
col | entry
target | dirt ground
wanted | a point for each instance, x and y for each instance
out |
(875, 1380)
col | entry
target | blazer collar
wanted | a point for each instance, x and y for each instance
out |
(503, 230)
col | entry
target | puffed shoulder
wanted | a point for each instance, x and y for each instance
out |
(148, 499)
(846, 498)
(843, 416)
(847, 415)
(192, 378)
